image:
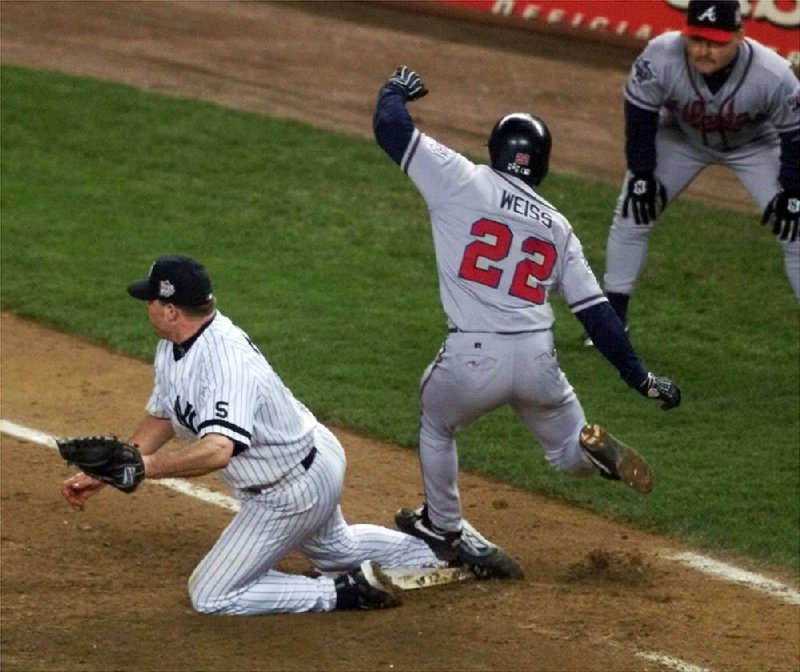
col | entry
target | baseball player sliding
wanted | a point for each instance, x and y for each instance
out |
(501, 249)
(214, 389)
(707, 96)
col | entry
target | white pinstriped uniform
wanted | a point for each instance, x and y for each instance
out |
(500, 250)
(222, 384)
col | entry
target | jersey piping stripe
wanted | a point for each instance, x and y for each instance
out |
(412, 150)
(639, 102)
(750, 55)
(729, 100)
(222, 423)
(436, 363)
(586, 300)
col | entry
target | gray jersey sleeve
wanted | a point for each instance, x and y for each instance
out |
(578, 284)
(652, 71)
(782, 91)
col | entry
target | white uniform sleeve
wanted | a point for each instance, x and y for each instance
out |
(229, 395)
(158, 404)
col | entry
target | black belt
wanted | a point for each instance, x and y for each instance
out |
(456, 330)
(306, 463)
(308, 460)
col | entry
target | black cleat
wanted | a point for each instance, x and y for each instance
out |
(485, 559)
(366, 588)
(467, 547)
(416, 523)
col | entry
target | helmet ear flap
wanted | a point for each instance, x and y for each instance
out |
(520, 145)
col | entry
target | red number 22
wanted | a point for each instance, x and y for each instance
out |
(537, 265)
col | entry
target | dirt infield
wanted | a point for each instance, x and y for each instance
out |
(105, 589)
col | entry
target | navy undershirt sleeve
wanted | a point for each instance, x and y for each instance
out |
(789, 175)
(392, 123)
(640, 138)
(608, 335)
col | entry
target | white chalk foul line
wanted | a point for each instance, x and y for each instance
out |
(695, 561)
(735, 574)
(209, 496)
(178, 485)
(671, 662)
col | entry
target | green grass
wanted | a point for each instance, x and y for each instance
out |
(320, 248)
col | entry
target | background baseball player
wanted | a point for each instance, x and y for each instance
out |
(500, 250)
(214, 389)
(707, 96)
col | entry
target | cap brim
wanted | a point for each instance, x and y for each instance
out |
(140, 289)
(711, 34)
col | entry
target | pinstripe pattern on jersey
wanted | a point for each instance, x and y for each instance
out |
(301, 513)
(220, 383)
(224, 385)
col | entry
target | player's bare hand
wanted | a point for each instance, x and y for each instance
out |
(663, 389)
(783, 213)
(645, 197)
(409, 82)
(79, 488)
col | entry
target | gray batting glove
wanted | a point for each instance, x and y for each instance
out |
(645, 196)
(664, 389)
(409, 82)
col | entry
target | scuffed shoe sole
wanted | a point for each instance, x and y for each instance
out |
(609, 453)
(387, 595)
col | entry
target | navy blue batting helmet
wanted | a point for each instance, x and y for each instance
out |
(520, 145)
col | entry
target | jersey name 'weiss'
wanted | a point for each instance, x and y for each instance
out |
(526, 208)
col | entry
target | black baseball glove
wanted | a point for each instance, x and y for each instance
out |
(409, 82)
(105, 458)
(783, 212)
(663, 389)
(645, 196)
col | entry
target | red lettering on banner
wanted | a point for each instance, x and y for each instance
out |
(774, 23)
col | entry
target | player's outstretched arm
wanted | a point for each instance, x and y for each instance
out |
(151, 434)
(608, 334)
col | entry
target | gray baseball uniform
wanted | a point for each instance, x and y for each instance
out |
(501, 250)
(738, 126)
